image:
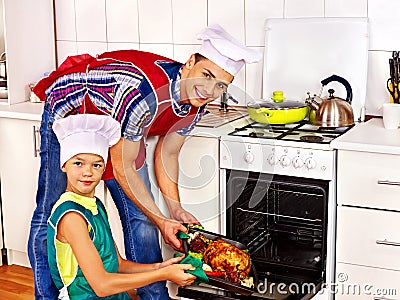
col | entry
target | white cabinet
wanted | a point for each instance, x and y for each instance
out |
(368, 222)
(29, 44)
(19, 166)
(364, 283)
(199, 180)
(368, 179)
(198, 186)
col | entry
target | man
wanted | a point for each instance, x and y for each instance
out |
(149, 95)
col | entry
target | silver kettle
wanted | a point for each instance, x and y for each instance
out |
(331, 111)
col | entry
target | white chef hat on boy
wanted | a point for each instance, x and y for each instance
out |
(224, 50)
(86, 133)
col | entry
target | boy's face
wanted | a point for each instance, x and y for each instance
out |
(84, 172)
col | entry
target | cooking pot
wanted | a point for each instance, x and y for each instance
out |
(332, 111)
(277, 110)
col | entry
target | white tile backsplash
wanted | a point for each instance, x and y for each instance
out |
(169, 28)
(183, 52)
(304, 8)
(254, 78)
(384, 34)
(229, 14)
(166, 50)
(346, 8)
(92, 48)
(90, 20)
(388, 9)
(238, 88)
(122, 46)
(65, 49)
(122, 19)
(378, 73)
(256, 12)
(65, 20)
(184, 32)
(155, 21)
(385, 24)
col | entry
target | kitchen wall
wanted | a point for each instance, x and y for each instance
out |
(168, 27)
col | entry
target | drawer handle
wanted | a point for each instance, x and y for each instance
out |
(388, 243)
(387, 182)
(36, 141)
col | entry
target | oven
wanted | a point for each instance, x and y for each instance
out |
(283, 220)
(278, 198)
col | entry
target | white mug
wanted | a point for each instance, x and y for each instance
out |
(391, 115)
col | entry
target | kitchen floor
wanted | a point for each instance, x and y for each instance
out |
(16, 282)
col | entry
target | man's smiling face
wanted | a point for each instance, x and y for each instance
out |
(203, 81)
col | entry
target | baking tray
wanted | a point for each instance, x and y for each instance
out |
(219, 282)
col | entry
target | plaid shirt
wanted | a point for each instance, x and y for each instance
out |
(120, 90)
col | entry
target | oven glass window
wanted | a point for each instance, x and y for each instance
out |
(282, 219)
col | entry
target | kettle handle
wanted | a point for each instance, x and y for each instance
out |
(343, 81)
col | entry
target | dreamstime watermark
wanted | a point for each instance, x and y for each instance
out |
(341, 287)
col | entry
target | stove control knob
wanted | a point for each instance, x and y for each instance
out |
(297, 162)
(285, 161)
(310, 163)
(248, 157)
(272, 160)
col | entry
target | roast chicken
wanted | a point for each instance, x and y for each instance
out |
(227, 258)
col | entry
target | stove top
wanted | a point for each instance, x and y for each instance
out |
(302, 132)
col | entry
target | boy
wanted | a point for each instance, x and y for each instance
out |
(83, 258)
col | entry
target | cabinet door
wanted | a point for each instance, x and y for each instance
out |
(19, 168)
(199, 180)
(198, 187)
(366, 283)
(29, 43)
(368, 237)
(368, 180)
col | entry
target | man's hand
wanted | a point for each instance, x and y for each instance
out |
(178, 213)
(169, 228)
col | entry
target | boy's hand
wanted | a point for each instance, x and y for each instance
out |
(171, 261)
(176, 273)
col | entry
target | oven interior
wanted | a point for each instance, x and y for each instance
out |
(283, 221)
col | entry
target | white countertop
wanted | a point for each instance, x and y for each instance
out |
(370, 136)
(25, 110)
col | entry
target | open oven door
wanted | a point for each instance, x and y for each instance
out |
(203, 292)
(269, 288)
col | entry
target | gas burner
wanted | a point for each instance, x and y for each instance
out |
(312, 138)
(256, 134)
(334, 129)
(301, 132)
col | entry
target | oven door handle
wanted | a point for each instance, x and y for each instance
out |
(388, 182)
(387, 243)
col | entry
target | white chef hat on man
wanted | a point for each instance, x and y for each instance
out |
(86, 133)
(224, 50)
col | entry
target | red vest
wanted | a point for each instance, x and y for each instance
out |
(165, 120)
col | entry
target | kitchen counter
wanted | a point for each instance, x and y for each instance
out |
(370, 136)
(25, 110)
